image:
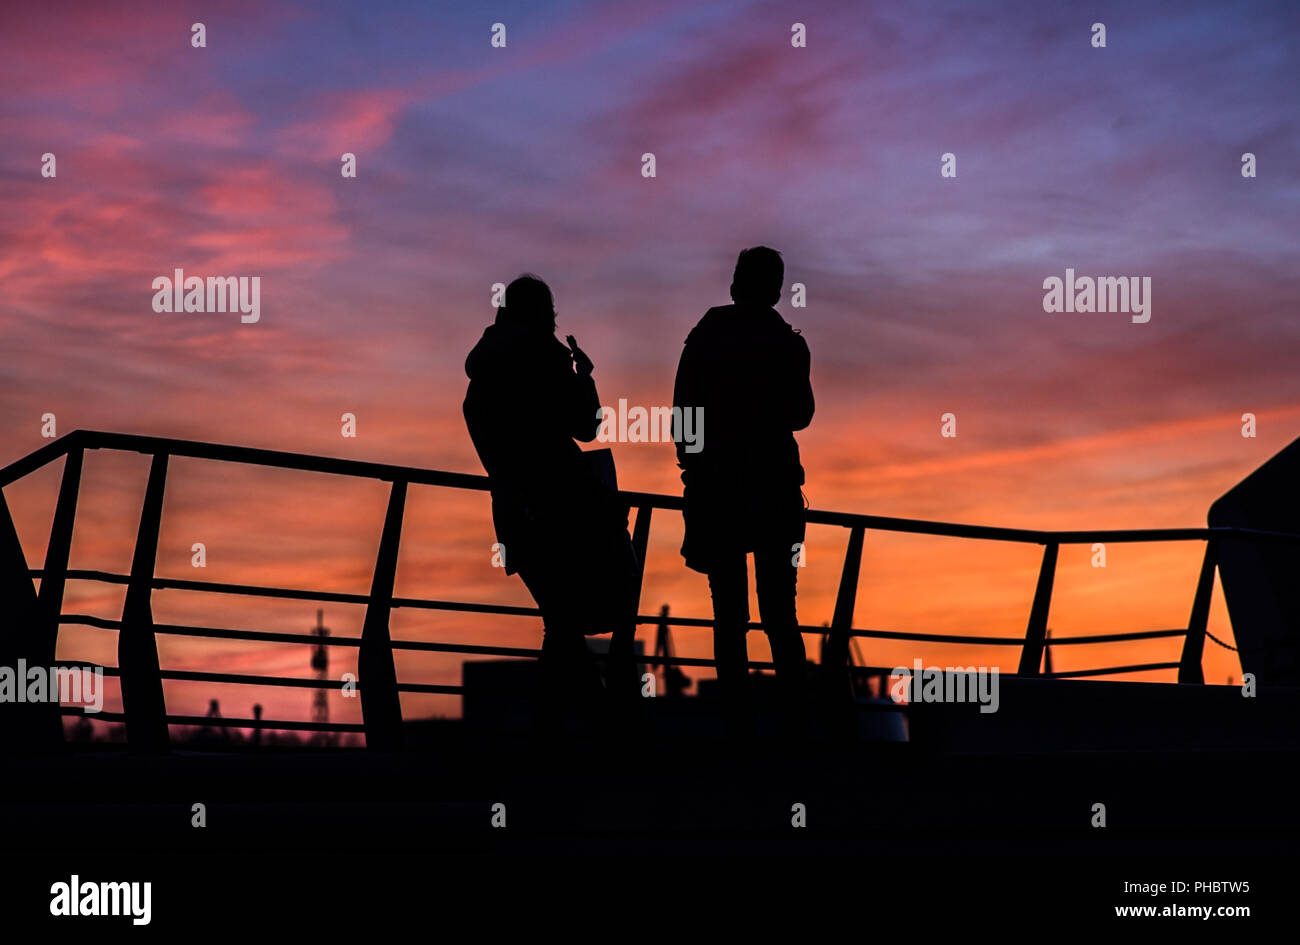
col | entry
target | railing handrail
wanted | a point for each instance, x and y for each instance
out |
(508, 610)
(417, 475)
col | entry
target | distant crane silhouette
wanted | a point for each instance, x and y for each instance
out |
(320, 664)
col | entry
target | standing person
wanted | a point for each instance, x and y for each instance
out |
(747, 371)
(561, 528)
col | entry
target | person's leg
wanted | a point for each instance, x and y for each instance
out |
(577, 675)
(621, 678)
(567, 676)
(775, 577)
(729, 587)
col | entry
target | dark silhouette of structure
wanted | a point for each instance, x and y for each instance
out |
(747, 371)
(1259, 574)
(559, 525)
(320, 664)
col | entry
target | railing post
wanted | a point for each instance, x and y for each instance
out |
(54, 576)
(137, 648)
(640, 541)
(1189, 666)
(621, 668)
(837, 681)
(1031, 656)
(24, 726)
(381, 706)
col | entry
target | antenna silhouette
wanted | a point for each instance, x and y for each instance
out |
(320, 664)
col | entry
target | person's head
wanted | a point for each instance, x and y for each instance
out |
(759, 276)
(528, 303)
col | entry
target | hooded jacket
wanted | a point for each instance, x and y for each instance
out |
(524, 408)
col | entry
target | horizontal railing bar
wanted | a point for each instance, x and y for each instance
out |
(89, 620)
(101, 715)
(261, 636)
(523, 652)
(935, 637)
(887, 523)
(311, 639)
(688, 661)
(476, 649)
(1129, 535)
(205, 721)
(1138, 668)
(212, 587)
(508, 610)
(281, 459)
(1117, 637)
(302, 683)
(705, 623)
(267, 636)
(38, 458)
(433, 688)
(91, 439)
(222, 722)
(217, 587)
(307, 638)
(984, 532)
(295, 682)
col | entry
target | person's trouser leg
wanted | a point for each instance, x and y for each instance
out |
(622, 680)
(729, 587)
(775, 578)
(567, 676)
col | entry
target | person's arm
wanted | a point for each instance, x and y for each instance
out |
(686, 396)
(583, 403)
(801, 401)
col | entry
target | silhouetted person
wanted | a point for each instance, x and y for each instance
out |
(748, 371)
(560, 527)
(207, 733)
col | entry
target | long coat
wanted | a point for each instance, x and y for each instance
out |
(749, 373)
(560, 526)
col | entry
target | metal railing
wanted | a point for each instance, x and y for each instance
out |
(35, 618)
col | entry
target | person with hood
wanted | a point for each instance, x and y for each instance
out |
(558, 524)
(748, 372)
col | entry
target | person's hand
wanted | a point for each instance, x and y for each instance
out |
(581, 362)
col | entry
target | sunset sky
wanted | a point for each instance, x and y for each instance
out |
(924, 294)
